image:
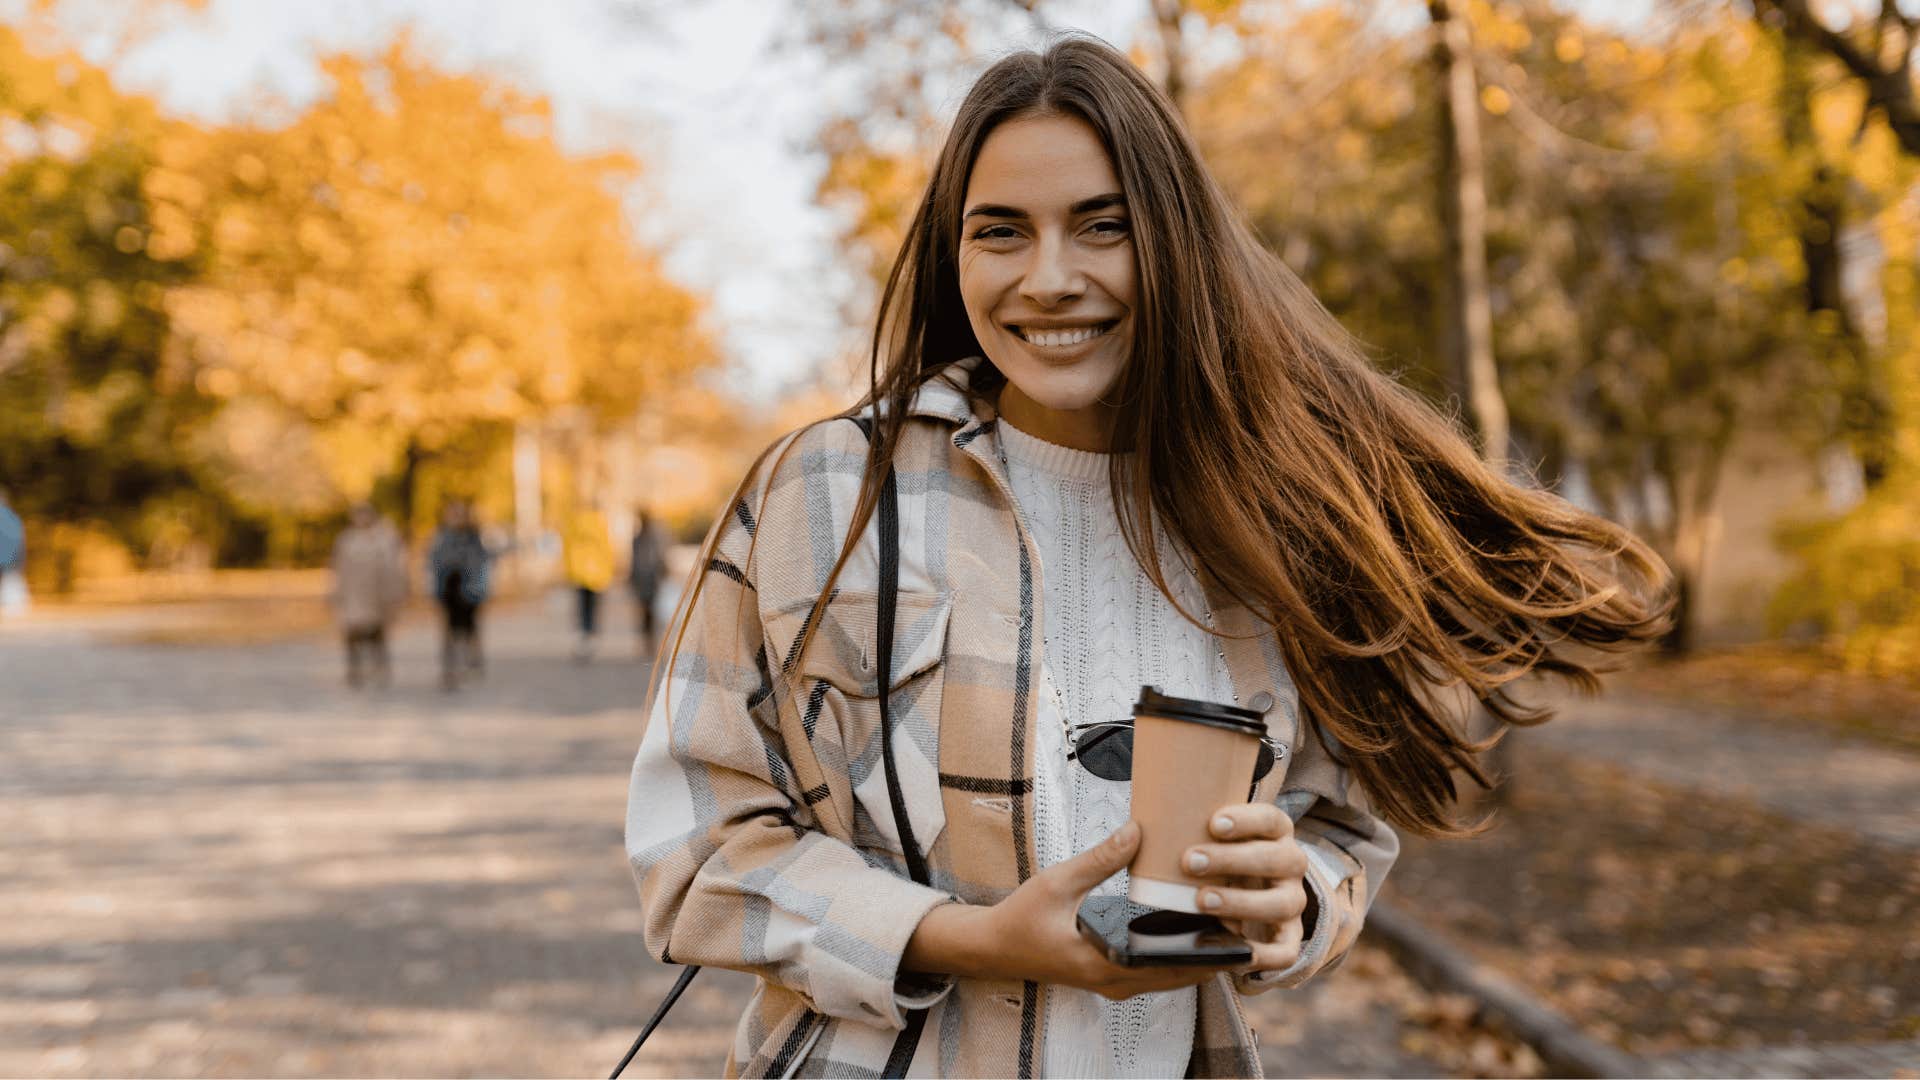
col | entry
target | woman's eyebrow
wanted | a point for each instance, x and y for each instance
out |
(1098, 202)
(995, 210)
(1084, 206)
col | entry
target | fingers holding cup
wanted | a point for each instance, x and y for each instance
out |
(1258, 860)
(1277, 903)
(1280, 951)
(1251, 821)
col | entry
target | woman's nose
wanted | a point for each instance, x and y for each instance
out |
(1052, 278)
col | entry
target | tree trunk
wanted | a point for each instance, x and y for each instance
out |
(1886, 70)
(1166, 16)
(410, 490)
(1469, 334)
(1687, 557)
(1463, 206)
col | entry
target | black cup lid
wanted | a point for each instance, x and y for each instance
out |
(1154, 703)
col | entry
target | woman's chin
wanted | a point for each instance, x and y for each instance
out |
(1064, 386)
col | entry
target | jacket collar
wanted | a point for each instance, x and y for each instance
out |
(948, 395)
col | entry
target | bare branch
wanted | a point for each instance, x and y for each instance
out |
(1890, 88)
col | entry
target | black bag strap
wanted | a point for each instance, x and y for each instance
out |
(889, 597)
(909, 1039)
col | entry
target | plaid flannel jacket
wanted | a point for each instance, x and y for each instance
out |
(759, 827)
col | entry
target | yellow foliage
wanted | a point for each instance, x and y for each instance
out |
(1860, 576)
(415, 254)
(243, 327)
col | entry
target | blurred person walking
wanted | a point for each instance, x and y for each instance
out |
(13, 561)
(1111, 442)
(458, 568)
(587, 550)
(646, 566)
(369, 586)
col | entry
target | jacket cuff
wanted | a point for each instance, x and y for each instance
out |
(886, 997)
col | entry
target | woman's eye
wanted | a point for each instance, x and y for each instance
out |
(995, 232)
(1110, 227)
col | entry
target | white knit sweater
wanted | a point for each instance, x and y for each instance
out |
(1107, 631)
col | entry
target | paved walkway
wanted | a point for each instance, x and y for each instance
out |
(1858, 786)
(218, 861)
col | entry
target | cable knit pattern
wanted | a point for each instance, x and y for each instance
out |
(1108, 631)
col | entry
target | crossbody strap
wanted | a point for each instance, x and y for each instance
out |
(889, 598)
(909, 1039)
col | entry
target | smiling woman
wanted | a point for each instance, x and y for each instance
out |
(1047, 275)
(1113, 442)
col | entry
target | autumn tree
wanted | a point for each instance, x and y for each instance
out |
(1860, 229)
(214, 337)
(412, 267)
(90, 409)
(1861, 573)
(1642, 269)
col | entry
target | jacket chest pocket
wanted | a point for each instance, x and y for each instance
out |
(839, 695)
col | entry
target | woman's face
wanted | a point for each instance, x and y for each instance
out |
(1047, 275)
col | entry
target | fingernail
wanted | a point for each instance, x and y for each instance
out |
(1223, 825)
(1209, 900)
(1197, 861)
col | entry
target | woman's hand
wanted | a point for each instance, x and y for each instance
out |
(1032, 934)
(1262, 890)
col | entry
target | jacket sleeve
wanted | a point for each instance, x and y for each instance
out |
(732, 867)
(1349, 851)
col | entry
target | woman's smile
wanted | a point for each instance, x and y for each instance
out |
(1057, 342)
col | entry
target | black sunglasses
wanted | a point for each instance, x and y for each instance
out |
(1106, 750)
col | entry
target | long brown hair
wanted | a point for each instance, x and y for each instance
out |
(1336, 505)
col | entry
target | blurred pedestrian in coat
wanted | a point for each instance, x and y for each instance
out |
(369, 586)
(458, 569)
(13, 561)
(646, 566)
(587, 550)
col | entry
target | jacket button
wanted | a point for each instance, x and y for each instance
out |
(1261, 702)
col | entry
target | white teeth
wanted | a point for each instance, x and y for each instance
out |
(1060, 338)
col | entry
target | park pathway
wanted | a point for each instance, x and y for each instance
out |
(1810, 776)
(218, 861)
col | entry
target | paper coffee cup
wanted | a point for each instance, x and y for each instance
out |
(1190, 758)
